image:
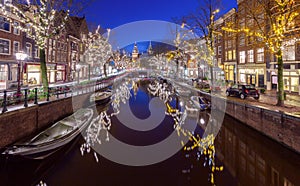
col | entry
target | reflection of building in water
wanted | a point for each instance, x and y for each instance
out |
(135, 87)
(255, 159)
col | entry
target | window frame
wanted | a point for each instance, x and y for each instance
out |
(260, 55)
(250, 56)
(242, 60)
(9, 46)
(16, 29)
(14, 51)
(7, 22)
(30, 49)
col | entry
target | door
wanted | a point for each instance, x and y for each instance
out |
(261, 80)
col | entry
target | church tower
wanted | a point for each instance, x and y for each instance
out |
(150, 50)
(135, 52)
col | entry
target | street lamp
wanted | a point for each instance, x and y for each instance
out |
(20, 56)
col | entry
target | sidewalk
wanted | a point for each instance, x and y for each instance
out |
(291, 98)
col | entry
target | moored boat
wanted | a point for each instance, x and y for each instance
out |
(50, 140)
(101, 97)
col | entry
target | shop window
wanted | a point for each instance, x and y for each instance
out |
(4, 24)
(3, 72)
(4, 46)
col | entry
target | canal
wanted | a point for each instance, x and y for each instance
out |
(148, 136)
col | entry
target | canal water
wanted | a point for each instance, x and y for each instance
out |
(241, 156)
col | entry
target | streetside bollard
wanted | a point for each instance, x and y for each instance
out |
(26, 99)
(4, 102)
(35, 95)
(48, 94)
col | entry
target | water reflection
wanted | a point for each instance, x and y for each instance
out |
(246, 157)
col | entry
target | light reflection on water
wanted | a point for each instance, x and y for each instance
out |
(248, 158)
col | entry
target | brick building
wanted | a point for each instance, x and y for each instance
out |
(247, 59)
(63, 53)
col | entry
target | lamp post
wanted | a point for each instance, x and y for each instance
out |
(20, 56)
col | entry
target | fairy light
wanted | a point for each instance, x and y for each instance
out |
(282, 24)
(103, 121)
(205, 145)
(37, 25)
(99, 49)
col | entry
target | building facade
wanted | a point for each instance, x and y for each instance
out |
(63, 53)
(247, 59)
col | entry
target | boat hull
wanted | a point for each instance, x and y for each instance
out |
(32, 149)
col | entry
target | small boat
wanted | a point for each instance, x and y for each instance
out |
(53, 138)
(101, 97)
(200, 103)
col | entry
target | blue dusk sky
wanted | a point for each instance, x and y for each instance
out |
(139, 20)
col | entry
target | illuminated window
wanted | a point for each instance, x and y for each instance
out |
(233, 54)
(288, 52)
(3, 72)
(260, 55)
(242, 56)
(229, 55)
(250, 56)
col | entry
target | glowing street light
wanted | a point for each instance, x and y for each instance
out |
(20, 56)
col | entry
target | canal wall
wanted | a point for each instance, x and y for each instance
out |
(280, 126)
(15, 125)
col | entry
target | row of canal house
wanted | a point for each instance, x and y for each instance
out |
(64, 54)
(246, 59)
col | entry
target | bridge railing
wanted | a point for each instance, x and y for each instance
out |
(37, 94)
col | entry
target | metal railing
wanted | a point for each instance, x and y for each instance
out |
(37, 94)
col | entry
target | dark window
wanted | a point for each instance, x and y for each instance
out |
(4, 24)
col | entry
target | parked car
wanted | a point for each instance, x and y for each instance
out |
(242, 91)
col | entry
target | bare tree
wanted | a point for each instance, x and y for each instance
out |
(202, 22)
